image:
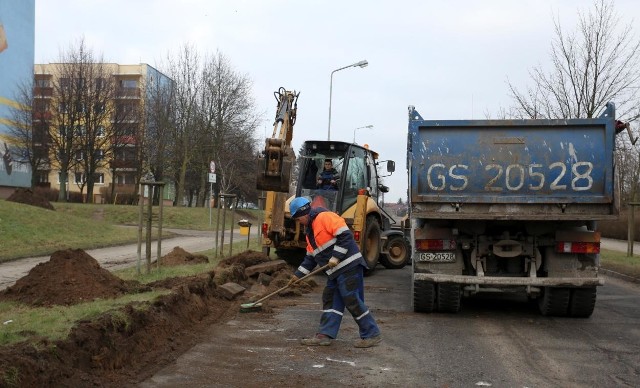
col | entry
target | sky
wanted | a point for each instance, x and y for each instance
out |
(450, 59)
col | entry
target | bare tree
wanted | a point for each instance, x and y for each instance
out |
(228, 124)
(29, 130)
(185, 70)
(599, 62)
(159, 109)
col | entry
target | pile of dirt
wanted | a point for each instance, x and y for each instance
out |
(28, 197)
(179, 256)
(127, 345)
(70, 276)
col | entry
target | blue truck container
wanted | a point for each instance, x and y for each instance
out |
(510, 205)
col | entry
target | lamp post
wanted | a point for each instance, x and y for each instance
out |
(354, 131)
(362, 63)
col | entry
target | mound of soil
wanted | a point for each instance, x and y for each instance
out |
(70, 276)
(179, 256)
(125, 346)
(28, 197)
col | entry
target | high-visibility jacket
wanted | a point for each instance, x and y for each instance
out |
(329, 236)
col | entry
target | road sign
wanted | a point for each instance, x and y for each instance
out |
(212, 167)
(212, 178)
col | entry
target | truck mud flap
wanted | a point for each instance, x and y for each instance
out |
(505, 281)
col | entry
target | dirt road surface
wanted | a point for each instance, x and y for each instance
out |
(494, 341)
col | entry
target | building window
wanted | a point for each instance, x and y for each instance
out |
(128, 83)
(42, 83)
(125, 179)
(99, 154)
(79, 155)
(43, 177)
(80, 177)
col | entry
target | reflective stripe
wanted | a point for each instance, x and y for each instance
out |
(344, 263)
(360, 317)
(324, 246)
(304, 270)
(340, 249)
(342, 229)
(333, 311)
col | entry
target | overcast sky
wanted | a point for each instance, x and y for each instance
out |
(450, 59)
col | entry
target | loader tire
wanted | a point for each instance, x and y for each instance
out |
(398, 256)
(424, 296)
(371, 244)
(582, 302)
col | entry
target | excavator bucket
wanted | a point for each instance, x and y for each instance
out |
(275, 167)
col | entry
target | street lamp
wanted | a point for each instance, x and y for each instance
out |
(354, 131)
(362, 63)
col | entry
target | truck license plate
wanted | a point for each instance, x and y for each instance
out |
(438, 257)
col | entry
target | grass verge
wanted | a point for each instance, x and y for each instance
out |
(619, 262)
(21, 322)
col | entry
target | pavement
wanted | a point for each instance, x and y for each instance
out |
(125, 256)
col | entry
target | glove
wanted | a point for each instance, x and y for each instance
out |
(333, 262)
(293, 279)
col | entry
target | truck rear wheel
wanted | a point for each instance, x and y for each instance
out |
(449, 297)
(398, 248)
(554, 301)
(371, 244)
(424, 296)
(582, 302)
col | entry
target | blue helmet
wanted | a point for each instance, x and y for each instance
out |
(299, 207)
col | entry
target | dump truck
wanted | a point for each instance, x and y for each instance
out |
(510, 206)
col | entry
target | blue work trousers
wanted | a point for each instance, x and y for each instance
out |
(346, 290)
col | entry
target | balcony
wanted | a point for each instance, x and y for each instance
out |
(42, 92)
(128, 93)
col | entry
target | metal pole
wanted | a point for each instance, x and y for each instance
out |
(161, 196)
(149, 215)
(140, 220)
(215, 248)
(224, 227)
(330, 93)
(233, 213)
(210, 200)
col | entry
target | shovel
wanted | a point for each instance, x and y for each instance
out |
(257, 306)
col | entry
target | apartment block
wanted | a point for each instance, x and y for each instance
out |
(113, 125)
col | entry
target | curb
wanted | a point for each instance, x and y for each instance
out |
(619, 275)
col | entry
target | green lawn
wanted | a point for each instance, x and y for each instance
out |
(27, 231)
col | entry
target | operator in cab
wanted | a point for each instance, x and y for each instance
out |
(328, 178)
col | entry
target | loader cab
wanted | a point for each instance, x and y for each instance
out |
(355, 170)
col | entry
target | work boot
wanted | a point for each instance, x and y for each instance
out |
(367, 342)
(318, 340)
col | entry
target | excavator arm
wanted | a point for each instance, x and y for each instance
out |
(274, 166)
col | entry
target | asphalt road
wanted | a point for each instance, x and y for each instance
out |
(497, 341)
(494, 341)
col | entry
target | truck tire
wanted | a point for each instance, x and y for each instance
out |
(398, 256)
(293, 256)
(582, 302)
(371, 244)
(449, 297)
(554, 301)
(424, 296)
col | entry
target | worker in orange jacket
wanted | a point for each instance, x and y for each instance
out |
(329, 241)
